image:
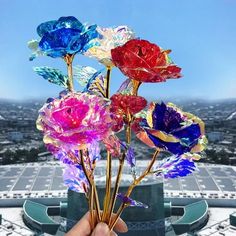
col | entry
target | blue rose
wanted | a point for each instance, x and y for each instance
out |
(64, 36)
(169, 128)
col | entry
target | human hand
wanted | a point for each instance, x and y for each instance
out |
(83, 228)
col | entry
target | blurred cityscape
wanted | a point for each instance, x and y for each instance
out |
(21, 142)
(42, 182)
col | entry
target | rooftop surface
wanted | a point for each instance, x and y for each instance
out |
(46, 179)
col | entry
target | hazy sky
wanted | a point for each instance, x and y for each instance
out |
(201, 34)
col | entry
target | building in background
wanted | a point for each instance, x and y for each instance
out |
(42, 183)
(15, 136)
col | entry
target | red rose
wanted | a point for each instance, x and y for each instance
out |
(123, 104)
(143, 61)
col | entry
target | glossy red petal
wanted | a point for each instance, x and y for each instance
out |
(124, 104)
(144, 61)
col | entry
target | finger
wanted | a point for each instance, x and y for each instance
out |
(113, 234)
(82, 228)
(120, 225)
(101, 229)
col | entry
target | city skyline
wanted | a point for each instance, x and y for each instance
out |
(202, 36)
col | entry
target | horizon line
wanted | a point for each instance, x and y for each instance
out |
(147, 98)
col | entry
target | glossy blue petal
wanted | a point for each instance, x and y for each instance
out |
(81, 42)
(69, 22)
(166, 118)
(130, 202)
(91, 28)
(55, 43)
(90, 34)
(175, 148)
(62, 22)
(67, 35)
(174, 167)
(46, 27)
(188, 134)
(60, 42)
(52, 75)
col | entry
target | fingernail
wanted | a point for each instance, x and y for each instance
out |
(124, 226)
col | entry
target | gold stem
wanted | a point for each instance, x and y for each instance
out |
(97, 204)
(128, 128)
(133, 185)
(108, 172)
(136, 85)
(121, 165)
(116, 188)
(91, 203)
(145, 173)
(118, 214)
(108, 187)
(68, 58)
(91, 183)
(108, 81)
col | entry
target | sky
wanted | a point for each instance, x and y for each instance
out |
(201, 34)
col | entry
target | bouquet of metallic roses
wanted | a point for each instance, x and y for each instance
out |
(77, 123)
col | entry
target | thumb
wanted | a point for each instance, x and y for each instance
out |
(101, 229)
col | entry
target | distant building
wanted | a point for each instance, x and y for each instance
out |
(15, 136)
(215, 136)
(232, 160)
